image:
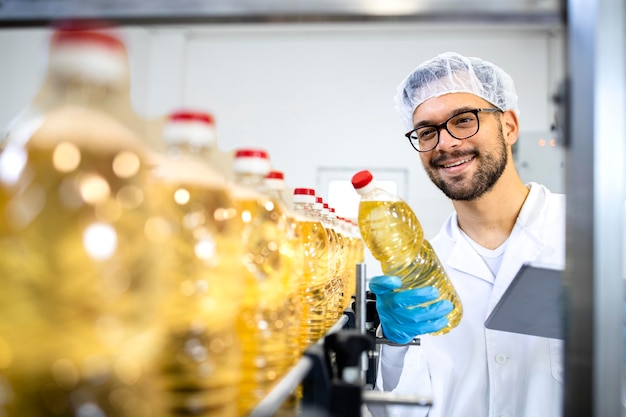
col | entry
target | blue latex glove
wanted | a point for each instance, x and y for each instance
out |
(400, 315)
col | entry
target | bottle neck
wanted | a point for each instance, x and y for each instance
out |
(58, 92)
(307, 209)
(80, 91)
(252, 180)
(203, 152)
(326, 220)
(87, 76)
(275, 193)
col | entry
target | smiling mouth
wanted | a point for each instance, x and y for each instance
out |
(456, 163)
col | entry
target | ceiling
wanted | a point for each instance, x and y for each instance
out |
(43, 12)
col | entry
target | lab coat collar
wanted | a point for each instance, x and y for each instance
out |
(525, 244)
(463, 257)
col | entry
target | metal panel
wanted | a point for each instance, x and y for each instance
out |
(37, 12)
(609, 186)
(578, 274)
(595, 162)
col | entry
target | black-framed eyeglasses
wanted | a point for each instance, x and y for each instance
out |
(460, 126)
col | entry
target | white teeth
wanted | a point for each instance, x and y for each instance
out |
(457, 163)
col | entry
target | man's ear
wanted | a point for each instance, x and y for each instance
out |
(510, 126)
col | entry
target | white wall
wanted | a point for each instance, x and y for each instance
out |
(320, 95)
(313, 95)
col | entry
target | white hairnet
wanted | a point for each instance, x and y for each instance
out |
(451, 72)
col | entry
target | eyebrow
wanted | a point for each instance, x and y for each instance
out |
(450, 114)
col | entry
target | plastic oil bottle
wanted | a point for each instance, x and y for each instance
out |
(200, 360)
(315, 267)
(336, 266)
(92, 55)
(352, 257)
(358, 247)
(394, 236)
(345, 266)
(275, 187)
(322, 214)
(79, 275)
(267, 260)
(198, 127)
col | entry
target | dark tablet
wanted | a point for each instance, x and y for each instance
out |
(532, 304)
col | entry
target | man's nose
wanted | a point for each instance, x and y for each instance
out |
(446, 140)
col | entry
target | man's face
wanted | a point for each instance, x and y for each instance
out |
(463, 169)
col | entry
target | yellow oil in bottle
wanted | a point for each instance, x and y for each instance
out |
(354, 255)
(334, 284)
(342, 264)
(262, 323)
(395, 237)
(274, 186)
(342, 268)
(293, 250)
(359, 247)
(200, 363)
(294, 303)
(79, 273)
(315, 275)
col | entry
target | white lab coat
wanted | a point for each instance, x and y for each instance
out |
(473, 371)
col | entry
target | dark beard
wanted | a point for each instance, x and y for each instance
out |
(489, 172)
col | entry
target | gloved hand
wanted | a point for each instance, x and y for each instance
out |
(400, 314)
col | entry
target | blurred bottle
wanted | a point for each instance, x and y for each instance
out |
(315, 267)
(85, 59)
(274, 185)
(200, 363)
(196, 130)
(277, 188)
(79, 274)
(268, 257)
(395, 237)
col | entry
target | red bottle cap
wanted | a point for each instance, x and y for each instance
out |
(361, 179)
(252, 161)
(191, 116)
(251, 153)
(276, 175)
(85, 34)
(190, 127)
(304, 195)
(304, 191)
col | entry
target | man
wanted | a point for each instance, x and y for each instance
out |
(463, 117)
